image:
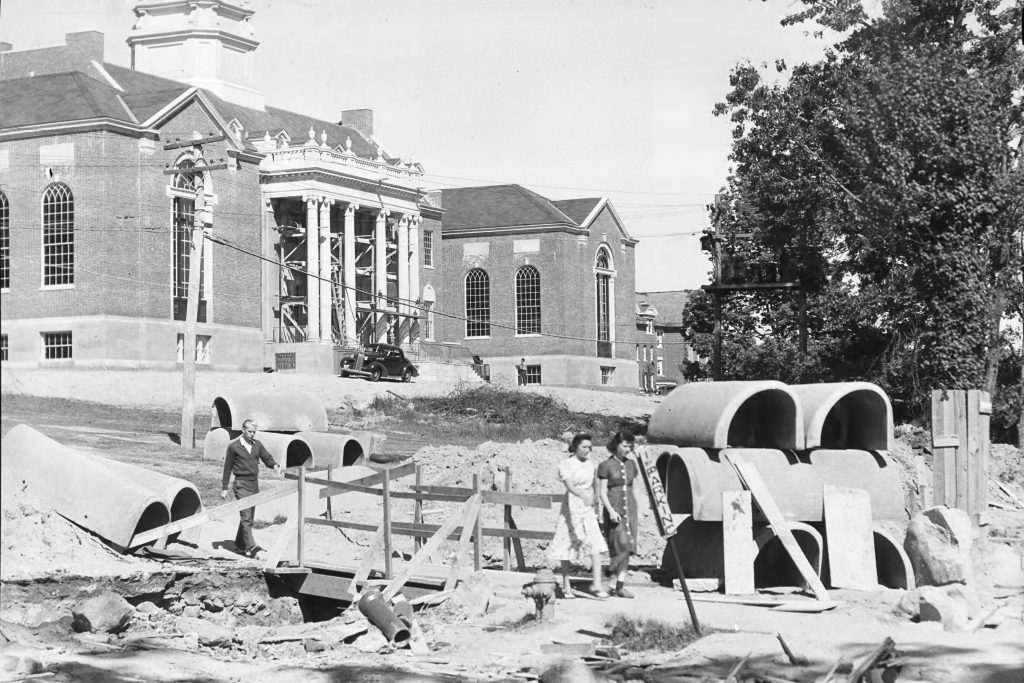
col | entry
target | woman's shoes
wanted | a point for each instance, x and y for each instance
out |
(621, 593)
(565, 593)
(599, 593)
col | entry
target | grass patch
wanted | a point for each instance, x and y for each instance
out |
(489, 412)
(263, 524)
(650, 634)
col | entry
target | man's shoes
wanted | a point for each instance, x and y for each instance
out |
(255, 551)
(621, 593)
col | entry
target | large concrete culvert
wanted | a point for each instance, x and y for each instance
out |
(854, 415)
(891, 562)
(80, 487)
(179, 495)
(716, 415)
(774, 567)
(271, 412)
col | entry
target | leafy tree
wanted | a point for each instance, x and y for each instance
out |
(886, 176)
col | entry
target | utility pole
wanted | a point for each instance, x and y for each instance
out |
(200, 222)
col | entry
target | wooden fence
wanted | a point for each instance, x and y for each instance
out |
(960, 446)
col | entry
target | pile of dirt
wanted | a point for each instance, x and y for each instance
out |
(533, 466)
(36, 542)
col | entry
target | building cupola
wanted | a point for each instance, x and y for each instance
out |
(206, 43)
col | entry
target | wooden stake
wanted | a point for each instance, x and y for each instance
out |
(301, 518)
(477, 540)
(417, 510)
(470, 516)
(387, 525)
(506, 544)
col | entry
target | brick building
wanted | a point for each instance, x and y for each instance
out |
(660, 323)
(319, 239)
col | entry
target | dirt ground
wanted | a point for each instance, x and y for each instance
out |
(48, 564)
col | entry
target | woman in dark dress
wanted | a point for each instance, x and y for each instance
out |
(618, 499)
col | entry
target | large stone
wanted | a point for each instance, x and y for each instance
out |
(104, 613)
(207, 633)
(938, 544)
(473, 595)
(568, 672)
(938, 605)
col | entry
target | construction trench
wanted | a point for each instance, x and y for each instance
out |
(813, 448)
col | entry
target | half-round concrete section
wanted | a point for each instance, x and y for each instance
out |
(700, 550)
(721, 414)
(271, 412)
(327, 449)
(846, 415)
(872, 472)
(81, 488)
(180, 496)
(774, 567)
(694, 480)
(285, 448)
(892, 563)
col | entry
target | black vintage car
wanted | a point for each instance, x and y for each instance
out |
(377, 361)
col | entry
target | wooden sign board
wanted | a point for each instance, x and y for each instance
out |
(656, 492)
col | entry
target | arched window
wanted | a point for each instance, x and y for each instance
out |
(603, 270)
(527, 300)
(5, 243)
(58, 236)
(478, 304)
(183, 209)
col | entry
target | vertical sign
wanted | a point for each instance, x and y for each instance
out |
(655, 491)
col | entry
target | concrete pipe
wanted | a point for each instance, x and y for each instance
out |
(180, 496)
(283, 447)
(846, 415)
(891, 561)
(694, 480)
(81, 488)
(720, 414)
(272, 412)
(872, 472)
(700, 549)
(774, 567)
(326, 449)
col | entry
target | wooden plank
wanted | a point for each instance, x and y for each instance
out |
(656, 492)
(409, 529)
(327, 586)
(944, 453)
(386, 491)
(417, 511)
(300, 528)
(366, 564)
(178, 144)
(477, 526)
(428, 548)
(977, 455)
(542, 501)
(850, 540)
(962, 486)
(205, 516)
(751, 479)
(470, 516)
(738, 547)
(506, 543)
(517, 543)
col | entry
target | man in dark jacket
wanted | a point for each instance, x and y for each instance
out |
(242, 460)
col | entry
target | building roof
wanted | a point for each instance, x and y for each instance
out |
(577, 209)
(669, 304)
(56, 98)
(495, 206)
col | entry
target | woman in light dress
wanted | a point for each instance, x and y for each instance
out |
(577, 534)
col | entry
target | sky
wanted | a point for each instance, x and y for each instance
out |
(569, 98)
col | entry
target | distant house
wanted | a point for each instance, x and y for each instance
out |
(659, 320)
(549, 281)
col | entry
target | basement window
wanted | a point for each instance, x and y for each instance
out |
(3, 348)
(202, 349)
(56, 345)
(607, 374)
(533, 374)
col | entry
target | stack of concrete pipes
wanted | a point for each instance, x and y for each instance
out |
(114, 500)
(292, 427)
(801, 438)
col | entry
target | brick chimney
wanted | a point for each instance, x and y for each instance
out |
(360, 119)
(78, 53)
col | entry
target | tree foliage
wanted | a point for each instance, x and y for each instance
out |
(887, 176)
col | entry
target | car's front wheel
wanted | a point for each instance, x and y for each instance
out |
(407, 375)
(375, 374)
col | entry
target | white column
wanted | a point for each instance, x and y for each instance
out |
(380, 271)
(325, 269)
(312, 269)
(414, 257)
(403, 265)
(348, 264)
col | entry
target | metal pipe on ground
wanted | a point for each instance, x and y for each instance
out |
(271, 412)
(846, 415)
(721, 414)
(80, 488)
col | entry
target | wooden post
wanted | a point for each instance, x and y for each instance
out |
(301, 526)
(188, 351)
(978, 410)
(387, 524)
(506, 543)
(417, 510)
(330, 510)
(477, 540)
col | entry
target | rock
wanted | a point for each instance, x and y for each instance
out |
(937, 605)
(207, 633)
(568, 672)
(938, 544)
(910, 604)
(147, 608)
(314, 645)
(105, 613)
(190, 598)
(473, 595)
(966, 594)
(1000, 564)
(42, 613)
(215, 605)
(192, 611)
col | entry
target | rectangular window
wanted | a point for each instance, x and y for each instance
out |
(284, 361)
(3, 348)
(5, 243)
(661, 340)
(184, 216)
(202, 349)
(428, 248)
(56, 345)
(58, 237)
(533, 374)
(607, 374)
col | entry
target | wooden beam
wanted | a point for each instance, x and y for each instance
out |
(205, 516)
(366, 564)
(409, 529)
(470, 516)
(751, 479)
(428, 549)
(179, 144)
(738, 547)
(196, 169)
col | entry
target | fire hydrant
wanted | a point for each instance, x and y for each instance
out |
(541, 590)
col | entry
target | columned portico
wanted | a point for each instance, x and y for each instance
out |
(403, 277)
(324, 240)
(312, 268)
(348, 265)
(380, 272)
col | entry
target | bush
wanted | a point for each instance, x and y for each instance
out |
(650, 634)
